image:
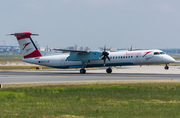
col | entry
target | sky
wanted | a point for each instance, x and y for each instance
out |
(146, 24)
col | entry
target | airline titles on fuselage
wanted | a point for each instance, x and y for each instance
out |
(133, 53)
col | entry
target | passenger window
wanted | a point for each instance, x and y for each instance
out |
(123, 56)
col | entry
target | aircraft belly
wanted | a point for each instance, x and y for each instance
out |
(100, 63)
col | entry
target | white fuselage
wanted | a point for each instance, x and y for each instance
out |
(124, 58)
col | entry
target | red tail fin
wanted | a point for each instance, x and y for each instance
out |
(27, 45)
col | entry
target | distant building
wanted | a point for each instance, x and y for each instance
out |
(71, 48)
(42, 48)
(171, 51)
(9, 49)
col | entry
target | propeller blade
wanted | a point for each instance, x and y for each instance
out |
(104, 61)
(104, 48)
(131, 48)
(102, 57)
(108, 58)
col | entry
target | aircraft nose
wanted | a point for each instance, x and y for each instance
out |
(169, 59)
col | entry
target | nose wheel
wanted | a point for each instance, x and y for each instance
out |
(83, 71)
(109, 70)
(166, 67)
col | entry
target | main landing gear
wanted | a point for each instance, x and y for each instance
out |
(166, 67)
(109, 70)
(83, 71)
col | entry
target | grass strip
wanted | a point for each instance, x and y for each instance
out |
(10, 60)
(11, 56)
(126, 99)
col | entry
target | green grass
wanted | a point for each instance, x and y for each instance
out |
(137, 100)
(176, 58)
(10, 60)
(11, 56)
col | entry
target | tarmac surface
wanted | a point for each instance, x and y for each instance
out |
(130, 73)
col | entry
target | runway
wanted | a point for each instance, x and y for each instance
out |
(132, 73)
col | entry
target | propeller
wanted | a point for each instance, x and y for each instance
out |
(131, 49)
(105, 55)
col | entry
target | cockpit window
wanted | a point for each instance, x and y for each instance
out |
(156, 53)
(162, 53)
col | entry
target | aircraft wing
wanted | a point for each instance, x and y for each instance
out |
(83, 56)
(71, 51)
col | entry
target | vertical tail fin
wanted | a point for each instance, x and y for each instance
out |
(28, 47)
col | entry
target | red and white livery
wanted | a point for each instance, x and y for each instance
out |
(29, 49)
(86, 59)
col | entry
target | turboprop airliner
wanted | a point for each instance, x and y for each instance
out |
(87, 59)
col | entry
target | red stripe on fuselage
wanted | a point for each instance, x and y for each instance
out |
(147, 53)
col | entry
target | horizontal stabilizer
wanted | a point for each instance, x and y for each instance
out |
(16, 34)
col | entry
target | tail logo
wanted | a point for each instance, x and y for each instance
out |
(25, 45)
(28, 49)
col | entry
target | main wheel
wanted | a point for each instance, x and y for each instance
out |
(166, 67)
(109, 70)
(82, 71)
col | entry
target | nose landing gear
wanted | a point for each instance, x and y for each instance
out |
(166, 67)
